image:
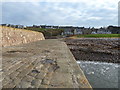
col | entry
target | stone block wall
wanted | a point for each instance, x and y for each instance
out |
(12, 36)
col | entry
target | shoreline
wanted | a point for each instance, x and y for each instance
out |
(94, 49)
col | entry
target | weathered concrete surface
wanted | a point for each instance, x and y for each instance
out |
(42, 64)
(13, 36)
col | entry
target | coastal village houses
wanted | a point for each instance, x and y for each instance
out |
(103, 31)
(72, 30)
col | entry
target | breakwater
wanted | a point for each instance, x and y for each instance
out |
(41, 64)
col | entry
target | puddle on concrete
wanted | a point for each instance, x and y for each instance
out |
(53, 64)
(15, 51)
(35, 71)
(48, 61)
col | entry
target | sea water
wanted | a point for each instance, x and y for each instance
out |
(100, 74)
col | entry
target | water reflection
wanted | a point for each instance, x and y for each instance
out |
(101, 75)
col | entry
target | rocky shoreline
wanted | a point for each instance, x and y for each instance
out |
(95, 49)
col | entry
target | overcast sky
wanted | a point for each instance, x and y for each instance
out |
(88, 13)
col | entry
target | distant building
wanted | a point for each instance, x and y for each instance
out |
(78, 31)
(70, 30)
(67, 31)
(42, 26)
(55, 27)
(35, 26)
(114, 29)
(93, 32)
(49, 27)
(4, 24)
(13, 26)
(103, 31)
(19, 26)
(86, 31)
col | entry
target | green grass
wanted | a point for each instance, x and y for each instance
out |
(42, 29)
(99, 35)
(47, 32)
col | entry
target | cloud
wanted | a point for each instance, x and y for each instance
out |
(80, 13)
(94, 18)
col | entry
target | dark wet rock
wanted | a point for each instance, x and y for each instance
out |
(95, 49)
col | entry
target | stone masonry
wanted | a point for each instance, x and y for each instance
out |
(13, 36)
(41, 64)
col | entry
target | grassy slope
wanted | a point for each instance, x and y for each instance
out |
(99, 35)
(47, 32)
(41, 29)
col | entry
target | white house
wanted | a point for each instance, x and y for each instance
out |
(103, 31)
(77, 31)
(93, 32)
